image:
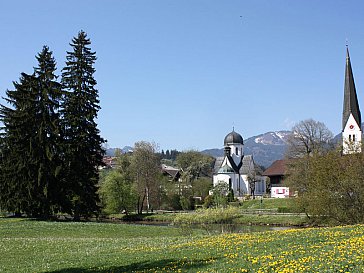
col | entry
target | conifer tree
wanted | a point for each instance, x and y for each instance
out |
(30, 140)
(46, 149)
(16, 176)
(83, 144)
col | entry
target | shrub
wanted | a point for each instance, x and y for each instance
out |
(206, 218)
(175, 202)
(208, 202)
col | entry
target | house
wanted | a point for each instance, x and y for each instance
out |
(237, 170)
(110, 162)
(172, 173)
(276, 173)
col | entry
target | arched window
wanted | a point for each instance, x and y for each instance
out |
(237, 151)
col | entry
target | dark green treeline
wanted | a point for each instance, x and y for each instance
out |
(50, 146)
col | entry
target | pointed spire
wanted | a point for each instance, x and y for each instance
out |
(351, 105)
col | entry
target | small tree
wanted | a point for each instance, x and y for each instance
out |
(185, 203)
(252, 180)
(146, 169)
(118, 193)
(201, 187)
(220, 194)
(195, 164)
(197, 169)
(330, 187)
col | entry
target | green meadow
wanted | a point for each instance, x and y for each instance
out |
(35, 246)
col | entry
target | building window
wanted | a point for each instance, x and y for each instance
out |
(237, 151)
(354, 138)
(350, 138)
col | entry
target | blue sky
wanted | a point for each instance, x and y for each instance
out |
(182, 73)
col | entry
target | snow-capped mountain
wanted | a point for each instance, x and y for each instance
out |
(272, 138)
(265, 148)
(125, 150)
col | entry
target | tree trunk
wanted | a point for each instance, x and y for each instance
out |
(147, 196)
(141, 204)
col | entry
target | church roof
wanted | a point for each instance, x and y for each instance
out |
(351, 105)
(244, 167)
(233, 138)
(218, 162)
(226, 169)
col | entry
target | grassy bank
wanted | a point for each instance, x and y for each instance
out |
(268, 204)
(233, 216)
(249, 212)
(31, 246)
(278, 219)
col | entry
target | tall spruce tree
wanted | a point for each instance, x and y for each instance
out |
(46, 149)
(16, 175)
(30, 140)
(83, 144)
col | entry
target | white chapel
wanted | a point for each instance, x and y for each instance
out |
(238, 170)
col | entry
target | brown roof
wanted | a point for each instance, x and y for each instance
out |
(278, 167)
(171, 171)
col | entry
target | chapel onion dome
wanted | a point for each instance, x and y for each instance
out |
(233, 138)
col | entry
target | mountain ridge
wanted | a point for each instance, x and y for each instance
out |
(265, 148)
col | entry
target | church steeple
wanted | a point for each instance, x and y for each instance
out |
(351, 105)
(351, 122)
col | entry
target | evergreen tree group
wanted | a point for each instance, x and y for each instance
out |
(169, 154)
(50, 147)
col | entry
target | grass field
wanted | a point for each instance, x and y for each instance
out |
(33, 246)
(268, 203)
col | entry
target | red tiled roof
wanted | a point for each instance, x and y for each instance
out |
(278, 167)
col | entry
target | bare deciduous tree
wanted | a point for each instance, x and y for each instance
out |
(309, 137)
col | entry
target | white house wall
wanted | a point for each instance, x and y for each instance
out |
(244, 188)
(221, 177)
(279, 192)
(239, 190)
(260, 185)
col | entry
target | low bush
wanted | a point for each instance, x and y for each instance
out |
(235, 204)
(205, 218)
